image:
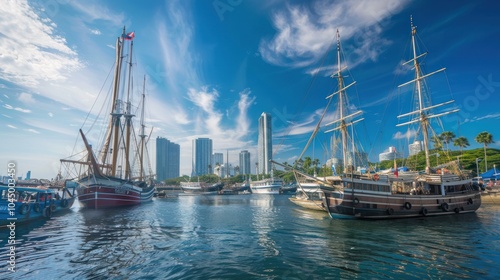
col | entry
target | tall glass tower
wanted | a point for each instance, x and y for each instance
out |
(202, 156)
(265, 144)
(245, 162)
(168, 156)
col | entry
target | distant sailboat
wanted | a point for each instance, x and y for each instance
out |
(402, 195)
(103, 185)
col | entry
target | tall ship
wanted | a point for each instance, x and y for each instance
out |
(444, 190)
(113, 179)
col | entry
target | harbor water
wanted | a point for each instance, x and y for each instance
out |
(250, 237)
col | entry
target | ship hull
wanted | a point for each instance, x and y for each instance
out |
(365, 204)
(109, 193)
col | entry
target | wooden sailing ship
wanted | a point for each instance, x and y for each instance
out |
(102, 184)
(405, 195)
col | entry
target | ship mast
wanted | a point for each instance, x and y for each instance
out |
(343, 120)
(142, 135)
(128, 118)
(421, 115)
(114, 103)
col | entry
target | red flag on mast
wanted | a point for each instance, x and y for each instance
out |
(130, 36)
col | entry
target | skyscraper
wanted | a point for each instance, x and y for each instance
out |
(168, 156)
(390, 154)
(265, 143)
(245, 162)
(202, 156)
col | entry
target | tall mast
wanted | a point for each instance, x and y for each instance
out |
(142, 135)
(116, 85)
(343, 128)
(423, 120)
(116, 114)
(422, 114)
(344, 120)
(128, 117)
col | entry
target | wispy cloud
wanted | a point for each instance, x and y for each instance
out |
(26, 98)
(305, 33)
(22, 110)
(476, 118)
(244, 103)
(95, 31)
(37, 47)
(209, 116)
(96, 11)
(408, 135)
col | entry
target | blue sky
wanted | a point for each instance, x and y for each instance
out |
(213, 67)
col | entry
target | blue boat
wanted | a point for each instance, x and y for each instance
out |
(25, 203)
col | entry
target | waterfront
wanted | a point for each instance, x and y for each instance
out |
(251, 237)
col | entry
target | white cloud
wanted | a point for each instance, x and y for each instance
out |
(489, 116)
(205, 100)
(94, 11)
(244, 103)
(11, 126)
(408, 135)
(175, 32)
(304, 33)
(95, 31)
(7, 106)
(31, 51)
(26, 98)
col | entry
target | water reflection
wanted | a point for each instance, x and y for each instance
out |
(252, 237)
(263, 221)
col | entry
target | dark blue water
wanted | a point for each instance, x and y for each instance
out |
(251, 237)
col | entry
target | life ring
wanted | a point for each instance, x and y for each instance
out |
(390, 211)
(445, 207)
(470, 201)
(407, 205)
(355, 201)
(64, 203)
(53, 208)
(457, 210)
(424, 211)
(36, 207)
(47, 213)
(376, 177)
(24, 208)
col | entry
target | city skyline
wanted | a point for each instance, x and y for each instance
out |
(210, 73)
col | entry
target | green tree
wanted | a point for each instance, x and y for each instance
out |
(438, 145)
(307, 163)
(447, 137)
(461, 142)
(485, 138)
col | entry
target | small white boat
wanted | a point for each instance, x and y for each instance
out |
(267, 186)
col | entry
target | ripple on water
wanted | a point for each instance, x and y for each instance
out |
(253, 237)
